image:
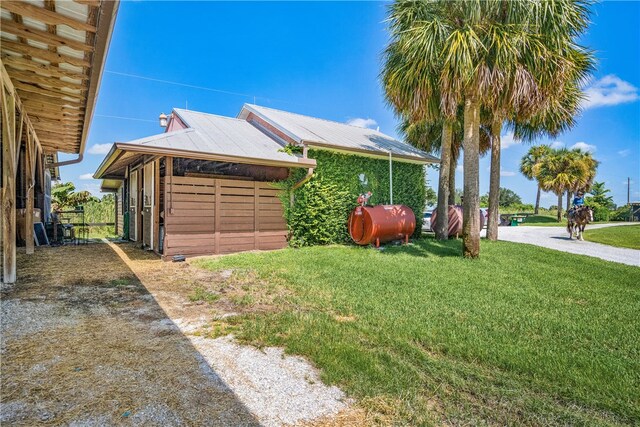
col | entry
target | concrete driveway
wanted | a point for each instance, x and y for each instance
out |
(557, 238)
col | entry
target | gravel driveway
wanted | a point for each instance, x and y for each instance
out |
(557, 238)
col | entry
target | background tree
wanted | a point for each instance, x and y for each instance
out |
(527, 165)
(64, 196)
(599, 196)
(564, 170)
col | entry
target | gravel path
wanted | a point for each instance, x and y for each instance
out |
(278, 389)
(557, 238)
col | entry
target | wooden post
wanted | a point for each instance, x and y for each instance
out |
(156, 206)
(168, 205)
(30, 157)
(256, 213)
(217, 214)
(8, 181)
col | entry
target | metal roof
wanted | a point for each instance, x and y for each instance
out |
(334, 135)
(209, 137)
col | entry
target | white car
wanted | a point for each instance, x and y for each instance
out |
(426, 221)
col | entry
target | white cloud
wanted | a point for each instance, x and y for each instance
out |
(99, 148)
(362, 123)
(508, 140)
(609, 90)
(624, 153)
(584, 147)
(502, 172)
(557, 145)
(86, 176)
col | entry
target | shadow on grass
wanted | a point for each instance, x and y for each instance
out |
(427, 247)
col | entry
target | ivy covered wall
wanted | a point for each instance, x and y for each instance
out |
(322, 206)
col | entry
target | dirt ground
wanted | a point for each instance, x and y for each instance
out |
(104, 334)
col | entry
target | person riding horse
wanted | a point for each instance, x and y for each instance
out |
(578, 216)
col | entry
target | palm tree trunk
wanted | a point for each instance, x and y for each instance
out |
(537, 209)
(471, 205)
(452, 178)
(494, 182)
(568, 200)
(560, 206)
(442, 210)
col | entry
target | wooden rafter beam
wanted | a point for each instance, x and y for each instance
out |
(21, 30)
(52, 92)
(19, 105)
(61, 129)
(45, 117)
(25, 49)
(18, 63)
(51, 109)
(46, 16)
(33, 78)
(92, 3)
(27, 96)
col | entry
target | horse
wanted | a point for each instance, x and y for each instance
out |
(577, 221)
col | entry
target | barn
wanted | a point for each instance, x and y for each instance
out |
(210, 184)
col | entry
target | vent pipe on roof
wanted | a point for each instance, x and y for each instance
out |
(163, 120)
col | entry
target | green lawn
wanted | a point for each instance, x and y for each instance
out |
(420, 336)
(550, 221)
(627, 236)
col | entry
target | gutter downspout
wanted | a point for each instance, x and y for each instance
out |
(66, 162)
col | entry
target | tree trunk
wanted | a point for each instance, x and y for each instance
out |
(537, 209)
(559, 206)
(452, 178)
(442, 210)
(471, 204)
(494, 182)
(568, 200)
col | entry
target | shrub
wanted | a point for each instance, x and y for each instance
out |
(620, 214)
(319, 214)
(600, 213)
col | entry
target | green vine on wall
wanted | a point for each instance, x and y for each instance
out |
(322, 206)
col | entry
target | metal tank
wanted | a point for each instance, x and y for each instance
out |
(381, 223)
(455, 220)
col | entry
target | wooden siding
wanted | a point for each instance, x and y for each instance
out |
(215, 216)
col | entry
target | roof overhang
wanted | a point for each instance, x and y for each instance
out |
(135, 151)
(54, 53)
(110, 185)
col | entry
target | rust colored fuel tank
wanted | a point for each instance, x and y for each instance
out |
(455, 220)
(381, 223)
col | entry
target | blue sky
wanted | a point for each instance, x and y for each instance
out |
(323, 59)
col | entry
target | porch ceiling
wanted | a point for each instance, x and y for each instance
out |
(54, 52)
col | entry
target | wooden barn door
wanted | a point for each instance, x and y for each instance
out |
(147, 207)
(133, 206)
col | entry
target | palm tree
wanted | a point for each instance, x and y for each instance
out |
(565, 170)
(506, 56)
(527, 165)
(428, 137)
